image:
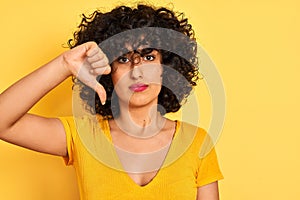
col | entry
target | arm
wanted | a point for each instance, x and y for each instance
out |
(208, 192)
(47, 134)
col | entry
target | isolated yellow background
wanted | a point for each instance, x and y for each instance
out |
(256, 46)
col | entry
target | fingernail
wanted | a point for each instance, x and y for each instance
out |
(103, 103)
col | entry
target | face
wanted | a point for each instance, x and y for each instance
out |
(137, 77)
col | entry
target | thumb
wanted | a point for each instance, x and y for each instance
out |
(101, 92)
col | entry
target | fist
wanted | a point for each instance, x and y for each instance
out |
(86, 62)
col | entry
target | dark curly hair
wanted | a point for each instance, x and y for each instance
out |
(99, 27)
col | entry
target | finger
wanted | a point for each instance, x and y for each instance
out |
(100, 71)
(99, 64)
(96, 57)
(107, 69)
(92, 49)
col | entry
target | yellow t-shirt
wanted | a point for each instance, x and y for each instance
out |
(184, 170)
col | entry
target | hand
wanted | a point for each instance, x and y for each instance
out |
(86, 62)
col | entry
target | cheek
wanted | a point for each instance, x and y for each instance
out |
(117, 75)
(114, 78)
(154, 75)
(120, 81)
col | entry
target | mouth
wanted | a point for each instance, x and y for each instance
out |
(138, 87)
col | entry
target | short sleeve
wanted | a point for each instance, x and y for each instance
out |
(208, 170)
(68, 124)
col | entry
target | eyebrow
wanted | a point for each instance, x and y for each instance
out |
(141, 52)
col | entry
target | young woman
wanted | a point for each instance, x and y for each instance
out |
(134, 59)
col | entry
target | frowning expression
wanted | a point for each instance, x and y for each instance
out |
(137, 77)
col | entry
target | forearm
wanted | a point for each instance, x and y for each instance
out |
(18, 99)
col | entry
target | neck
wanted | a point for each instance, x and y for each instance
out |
(141, 122)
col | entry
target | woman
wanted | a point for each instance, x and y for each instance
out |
(140, 80)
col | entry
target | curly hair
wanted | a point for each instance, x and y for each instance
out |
(99, 27)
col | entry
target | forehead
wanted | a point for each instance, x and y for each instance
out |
(129, 42)
(137, 45)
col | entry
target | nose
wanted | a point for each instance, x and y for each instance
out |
(136, 72)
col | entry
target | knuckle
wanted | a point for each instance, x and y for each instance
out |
(94, 65)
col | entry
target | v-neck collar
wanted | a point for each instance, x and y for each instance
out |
(106, 130)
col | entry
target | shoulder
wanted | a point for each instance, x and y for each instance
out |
(85, 123)
(191, 130)
(198, 138)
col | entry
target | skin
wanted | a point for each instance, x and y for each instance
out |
(138, 110)
(139, 118)
(47, 135)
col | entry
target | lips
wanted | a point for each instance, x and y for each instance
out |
(138, 87)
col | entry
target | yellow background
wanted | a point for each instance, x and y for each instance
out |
(255, 45)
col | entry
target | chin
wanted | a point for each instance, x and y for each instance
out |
(139, 102)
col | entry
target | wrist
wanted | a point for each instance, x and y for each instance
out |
(63, 64)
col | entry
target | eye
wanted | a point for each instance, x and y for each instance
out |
(123, 59)
(149, 58)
